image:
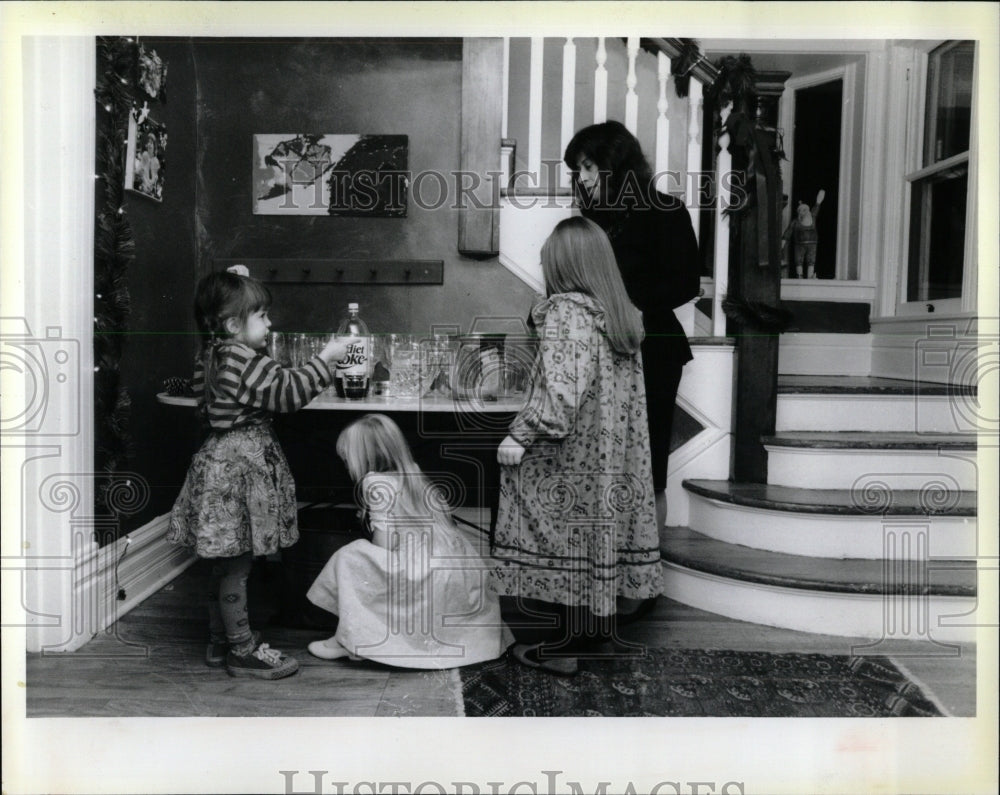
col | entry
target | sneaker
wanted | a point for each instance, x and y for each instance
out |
(216, 651)
(262, 663)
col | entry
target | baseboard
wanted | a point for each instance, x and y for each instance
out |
(824, 354)
(145, 562)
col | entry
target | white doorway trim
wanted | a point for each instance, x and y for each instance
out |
(847, 74)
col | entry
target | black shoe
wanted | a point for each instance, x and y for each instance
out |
(262, 663)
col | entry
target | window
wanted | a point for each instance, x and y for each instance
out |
(939, 188)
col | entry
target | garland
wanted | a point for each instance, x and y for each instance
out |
(114, 253)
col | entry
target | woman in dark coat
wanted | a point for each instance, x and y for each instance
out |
(657, 254)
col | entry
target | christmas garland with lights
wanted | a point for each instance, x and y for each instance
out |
(114, 253)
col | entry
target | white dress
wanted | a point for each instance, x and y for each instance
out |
(423, 602)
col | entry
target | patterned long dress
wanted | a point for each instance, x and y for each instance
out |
(576, 522)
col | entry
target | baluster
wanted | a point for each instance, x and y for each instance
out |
(568, 104)
(720, 268)
(506, 87)
(695, 108)
(535, 111)
(506, 150)
(601, 84)
(662, 123)
(631, 98)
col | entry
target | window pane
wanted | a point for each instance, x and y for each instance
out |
(937, 236)
(949, 101)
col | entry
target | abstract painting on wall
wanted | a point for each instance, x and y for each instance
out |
(345, 175)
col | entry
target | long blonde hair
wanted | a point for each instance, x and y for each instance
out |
(577, 257)
(374, 443)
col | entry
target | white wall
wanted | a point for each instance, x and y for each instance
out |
(48, 449)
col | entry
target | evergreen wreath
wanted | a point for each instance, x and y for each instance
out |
(114, 253)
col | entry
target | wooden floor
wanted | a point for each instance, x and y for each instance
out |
(151, 663)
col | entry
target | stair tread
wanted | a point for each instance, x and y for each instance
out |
(691, 549)
(864, 385)
(872, 440)
(864, 501)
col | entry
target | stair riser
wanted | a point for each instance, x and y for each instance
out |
(850, 412)
(817, 468)
(944, 619)
(867, 536)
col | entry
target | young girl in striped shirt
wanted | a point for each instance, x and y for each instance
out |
(238, 499)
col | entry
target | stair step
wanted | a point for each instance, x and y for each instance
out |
(864, 385)
(933, 600)
(856, 459)
(850, 502)
(942, 577)
(863, 403)
(874, 440)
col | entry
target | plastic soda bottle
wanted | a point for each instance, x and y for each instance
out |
(352, 378)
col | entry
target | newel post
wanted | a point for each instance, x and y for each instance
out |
(752, 303)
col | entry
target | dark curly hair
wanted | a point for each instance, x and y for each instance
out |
(626, 174)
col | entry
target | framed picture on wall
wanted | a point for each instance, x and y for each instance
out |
(145, 155)
(326, 174)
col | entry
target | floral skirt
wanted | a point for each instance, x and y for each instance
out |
(238, 497)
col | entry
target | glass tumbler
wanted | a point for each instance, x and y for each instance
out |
(280, 347)
(404, 378)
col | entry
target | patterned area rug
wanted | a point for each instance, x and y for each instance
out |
(698, 683)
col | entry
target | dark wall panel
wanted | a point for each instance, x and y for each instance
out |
(161, 287)
(220, 92)
(408, 87)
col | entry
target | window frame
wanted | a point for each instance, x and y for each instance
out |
(916, 172)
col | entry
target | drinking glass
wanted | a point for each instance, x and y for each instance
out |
(404, 378)
(280, 347)
(435, 362)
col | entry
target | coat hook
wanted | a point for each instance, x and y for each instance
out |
(406, 273)
(374, 272)
(340, 273)
(306, 271)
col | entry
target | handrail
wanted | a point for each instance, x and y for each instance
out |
(703, 69)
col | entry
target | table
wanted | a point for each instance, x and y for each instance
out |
(453, 441)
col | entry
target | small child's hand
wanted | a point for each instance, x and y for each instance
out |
(820, 196)
(510, 452)
(336, 349)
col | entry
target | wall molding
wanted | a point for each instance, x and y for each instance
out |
(146, 562)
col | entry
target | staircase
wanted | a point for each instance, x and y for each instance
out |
(865, 528)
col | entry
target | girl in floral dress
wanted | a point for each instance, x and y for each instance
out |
(238, 499)
(576, 526)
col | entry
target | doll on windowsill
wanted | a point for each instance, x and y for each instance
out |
(802, 230)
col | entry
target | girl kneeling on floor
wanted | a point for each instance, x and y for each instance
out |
(238, 499)
(417, 595)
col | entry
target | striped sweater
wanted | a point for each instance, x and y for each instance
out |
(250, 386)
